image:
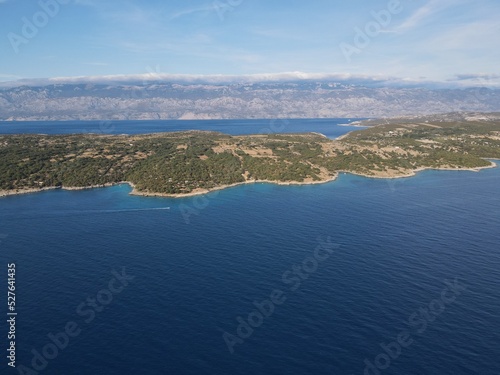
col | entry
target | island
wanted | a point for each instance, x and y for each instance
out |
(196, 162)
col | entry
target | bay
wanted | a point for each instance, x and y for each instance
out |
(392, 246)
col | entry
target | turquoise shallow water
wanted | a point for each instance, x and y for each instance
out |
(353, 264)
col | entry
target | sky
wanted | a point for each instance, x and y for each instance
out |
(451, 41)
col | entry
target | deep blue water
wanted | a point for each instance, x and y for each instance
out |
(328, 127)
(198, 266)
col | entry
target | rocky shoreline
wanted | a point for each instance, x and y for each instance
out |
(386, 175)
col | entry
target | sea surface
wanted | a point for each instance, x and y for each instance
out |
(351, 265)
(331, 128)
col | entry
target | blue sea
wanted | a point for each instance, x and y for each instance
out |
(331, 128)
(356, 276)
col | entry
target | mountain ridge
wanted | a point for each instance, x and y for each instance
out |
(294, 99)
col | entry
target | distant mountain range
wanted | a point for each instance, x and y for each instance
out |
(197, 100)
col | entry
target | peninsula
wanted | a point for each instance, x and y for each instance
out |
(195, 162)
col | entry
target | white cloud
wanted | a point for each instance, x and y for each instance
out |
(469, 36)
(8, 77)
(190, 11)
(477, 76)
(218, 78)
(279, 34)
(478, 79)
(423, 13)
(156, 76)
(95, 63)
(127, 13)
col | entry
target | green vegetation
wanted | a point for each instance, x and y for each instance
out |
(428, 145)
(179, 163)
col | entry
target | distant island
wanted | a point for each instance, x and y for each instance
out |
(196, 162)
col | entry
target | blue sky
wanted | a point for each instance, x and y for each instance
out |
(421, 40)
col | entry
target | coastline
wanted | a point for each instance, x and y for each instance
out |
(354, 124)
(412, 173)
(357, 124)
(344, 135)
(222, 187)
(6, 193)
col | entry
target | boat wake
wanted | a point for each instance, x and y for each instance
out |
(69, 213)
(123, 210)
